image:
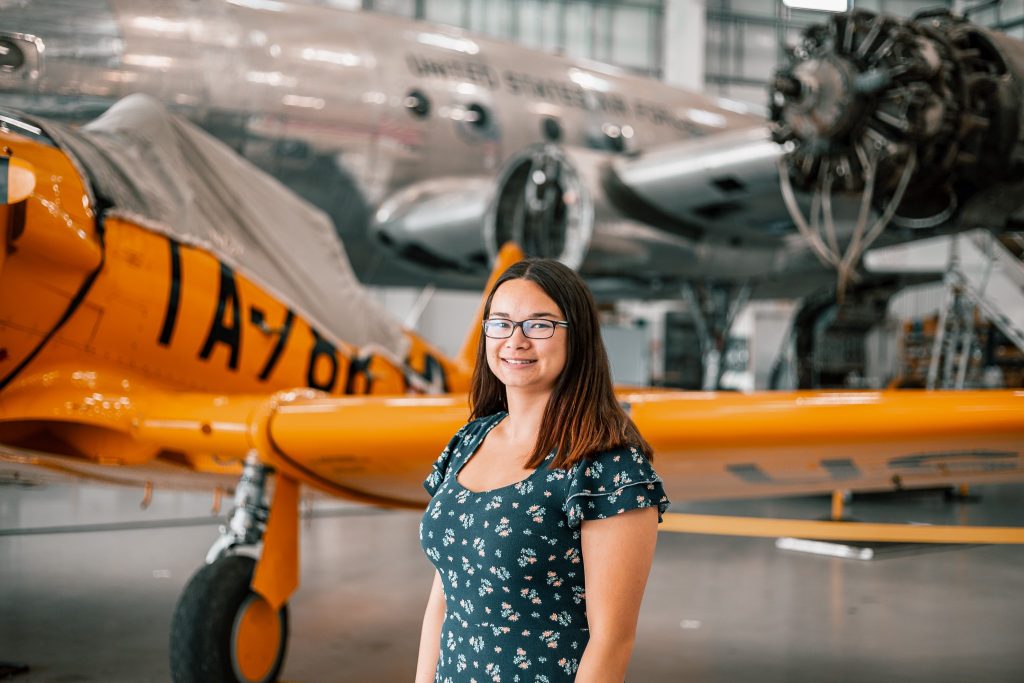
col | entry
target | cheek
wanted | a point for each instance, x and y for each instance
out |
(559, 356)
(491, 349)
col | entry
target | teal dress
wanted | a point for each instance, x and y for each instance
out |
(510, 559)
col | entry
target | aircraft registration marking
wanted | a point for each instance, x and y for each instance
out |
(327, 368)
(554, 90)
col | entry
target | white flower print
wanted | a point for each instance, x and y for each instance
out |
(504, 528)
(531, 594)
(536, 512)
(524, 487)
(527, 556)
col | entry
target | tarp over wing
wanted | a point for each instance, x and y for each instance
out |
(161, 171)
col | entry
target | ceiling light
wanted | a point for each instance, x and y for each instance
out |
(819, 5)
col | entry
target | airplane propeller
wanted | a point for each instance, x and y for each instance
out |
(913, 115)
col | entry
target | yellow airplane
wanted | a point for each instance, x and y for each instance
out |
(133, 354)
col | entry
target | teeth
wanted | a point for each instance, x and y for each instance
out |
(517, 362)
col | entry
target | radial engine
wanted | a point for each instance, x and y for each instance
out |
(920, 116)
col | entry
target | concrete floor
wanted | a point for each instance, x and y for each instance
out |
(87, 592)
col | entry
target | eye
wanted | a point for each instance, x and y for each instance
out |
(543, 325)
(499, 325)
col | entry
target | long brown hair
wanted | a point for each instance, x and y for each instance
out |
(582, 417)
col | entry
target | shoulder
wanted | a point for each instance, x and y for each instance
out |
(463, 441)
(610, 482)
(469, 433)
(475, 429)
(615, 463)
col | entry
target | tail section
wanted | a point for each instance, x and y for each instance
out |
(510, 253)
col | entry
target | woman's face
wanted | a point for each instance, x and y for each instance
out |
(519, 362)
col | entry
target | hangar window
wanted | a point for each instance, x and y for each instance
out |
(612, 137)
(477, 115)
(551, 129)
(417, 104)
(11, 56)
(477, 122)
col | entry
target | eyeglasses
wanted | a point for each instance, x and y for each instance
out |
(499, 328)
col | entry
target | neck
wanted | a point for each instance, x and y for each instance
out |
(525, 413)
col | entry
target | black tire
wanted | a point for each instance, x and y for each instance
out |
(208, 621)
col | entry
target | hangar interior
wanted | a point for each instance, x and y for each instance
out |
(925, 335)
(89, 575)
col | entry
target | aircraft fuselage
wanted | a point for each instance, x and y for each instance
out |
(346, 108)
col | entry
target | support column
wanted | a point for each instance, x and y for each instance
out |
(684, 39)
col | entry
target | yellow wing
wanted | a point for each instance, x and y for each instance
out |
(707, 445)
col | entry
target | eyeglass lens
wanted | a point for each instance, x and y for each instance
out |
(533, 329)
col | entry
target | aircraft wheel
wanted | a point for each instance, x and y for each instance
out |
(224, 632)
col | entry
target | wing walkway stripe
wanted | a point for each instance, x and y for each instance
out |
(726, 525)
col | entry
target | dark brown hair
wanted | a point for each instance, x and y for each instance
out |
(582, 417)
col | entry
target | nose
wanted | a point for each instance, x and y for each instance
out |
(518, 337)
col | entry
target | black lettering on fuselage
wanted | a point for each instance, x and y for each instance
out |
(282, 339)
(322, 349)
(359, 367)
(221, 333)
(477, 73)
(661, 116)
(173, 296)
(433, 373)
(553, 90)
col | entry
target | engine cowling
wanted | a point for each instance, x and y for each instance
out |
(553, 202)
(436, 222)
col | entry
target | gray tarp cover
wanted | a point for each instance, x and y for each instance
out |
(161, 171)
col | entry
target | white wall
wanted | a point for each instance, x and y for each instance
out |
(445, 320)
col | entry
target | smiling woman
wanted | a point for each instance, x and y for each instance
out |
(545, 507)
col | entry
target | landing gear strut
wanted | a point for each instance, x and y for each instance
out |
(222, 630)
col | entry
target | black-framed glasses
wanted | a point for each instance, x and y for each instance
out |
(499, 328)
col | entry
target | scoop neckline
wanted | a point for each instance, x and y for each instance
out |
(476, 447)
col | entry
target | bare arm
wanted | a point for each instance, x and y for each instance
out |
(430, 634)
(617, 556)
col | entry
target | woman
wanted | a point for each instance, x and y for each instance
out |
(548, 489)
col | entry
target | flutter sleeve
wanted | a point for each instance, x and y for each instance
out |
(612, 483)
(439, 469)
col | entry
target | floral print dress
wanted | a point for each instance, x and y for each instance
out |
(510, 559)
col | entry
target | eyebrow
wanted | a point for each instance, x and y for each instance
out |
(495, 314)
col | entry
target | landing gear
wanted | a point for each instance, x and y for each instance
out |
(222, 630)
(714, 309)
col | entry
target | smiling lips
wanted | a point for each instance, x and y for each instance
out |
(518, 362)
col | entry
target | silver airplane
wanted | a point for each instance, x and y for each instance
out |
(409, 133)
(437, 145)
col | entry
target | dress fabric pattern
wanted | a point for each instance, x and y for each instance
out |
(511, 563)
